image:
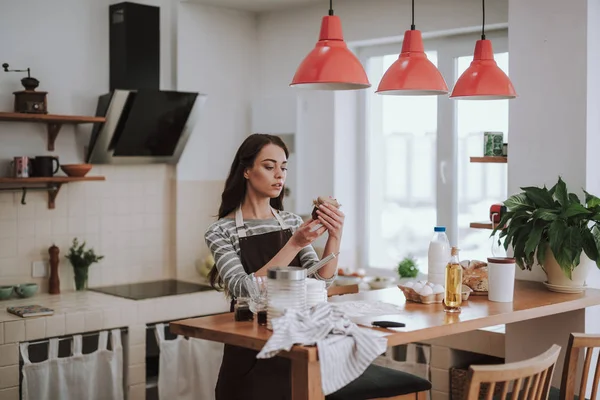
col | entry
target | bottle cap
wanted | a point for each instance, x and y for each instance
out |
(454, 251)
(439, 229)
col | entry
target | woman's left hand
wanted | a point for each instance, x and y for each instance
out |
(332, 219)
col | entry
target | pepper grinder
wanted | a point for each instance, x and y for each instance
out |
(54, 280)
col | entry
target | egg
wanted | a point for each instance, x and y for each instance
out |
(430, 284)
(409, 284)
(426, 291)
(438, 289)
(417, 287)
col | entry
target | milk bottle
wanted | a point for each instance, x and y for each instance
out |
(438, 255)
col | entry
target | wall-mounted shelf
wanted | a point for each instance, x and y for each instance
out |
(51, 184)
(490, 159)
(481, 225)
(53, 122)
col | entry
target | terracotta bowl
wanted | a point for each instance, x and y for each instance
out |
(76, 170)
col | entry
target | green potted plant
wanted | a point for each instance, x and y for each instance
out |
(555, 227)
(407, 268)
(81, 260)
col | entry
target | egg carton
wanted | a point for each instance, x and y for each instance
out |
(412, 295)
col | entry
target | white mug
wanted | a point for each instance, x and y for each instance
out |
(501, 279)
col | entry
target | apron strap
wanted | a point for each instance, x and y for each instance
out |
(24, 349)
(76, 345)
(52, 349)
(239, 221)
(102, 340)
(115, 338)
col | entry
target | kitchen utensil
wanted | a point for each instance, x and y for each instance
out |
(43, 166)
(6, 292)
(321, 264)
(20, 167)
(76, 170)
(26, 289)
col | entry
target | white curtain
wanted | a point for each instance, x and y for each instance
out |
(188, 368)
(94, 376)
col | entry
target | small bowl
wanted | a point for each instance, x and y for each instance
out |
(343, 280)
(26, 289)
(76, 170)
(6, 292)
(381, 283)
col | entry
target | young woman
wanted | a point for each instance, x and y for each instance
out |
(252, 234)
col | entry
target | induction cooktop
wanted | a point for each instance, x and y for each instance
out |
(148, 290)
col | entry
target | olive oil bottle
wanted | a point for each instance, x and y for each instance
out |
(453, 291)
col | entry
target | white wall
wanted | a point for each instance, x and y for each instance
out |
(126, 218)
(216, 55)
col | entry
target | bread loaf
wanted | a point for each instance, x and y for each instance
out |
(475, 276)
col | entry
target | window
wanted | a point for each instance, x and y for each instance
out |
(416, 160)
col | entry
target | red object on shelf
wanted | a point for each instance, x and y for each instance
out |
(412, 74)
(331, 65)
(483, 80)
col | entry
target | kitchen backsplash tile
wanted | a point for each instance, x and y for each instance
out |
(129, 219)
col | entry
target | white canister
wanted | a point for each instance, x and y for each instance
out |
(501, 279)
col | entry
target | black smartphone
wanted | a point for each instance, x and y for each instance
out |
(388, 324)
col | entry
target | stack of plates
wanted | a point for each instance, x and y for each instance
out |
(316, 292)
(287, 295)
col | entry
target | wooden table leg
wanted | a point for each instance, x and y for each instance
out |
(306, 380)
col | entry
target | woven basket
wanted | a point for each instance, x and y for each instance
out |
(458, 385)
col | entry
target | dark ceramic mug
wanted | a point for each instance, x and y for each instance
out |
(44, 166)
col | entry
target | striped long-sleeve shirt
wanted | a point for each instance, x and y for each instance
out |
(222, 240)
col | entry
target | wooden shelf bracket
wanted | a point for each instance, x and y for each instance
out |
(53, 129)
(52, 193)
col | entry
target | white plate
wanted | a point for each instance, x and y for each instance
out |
(565, 289)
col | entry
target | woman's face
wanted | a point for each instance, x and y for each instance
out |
(269, 171)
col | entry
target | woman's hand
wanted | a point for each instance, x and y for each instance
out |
(305, 234)
(332, 219)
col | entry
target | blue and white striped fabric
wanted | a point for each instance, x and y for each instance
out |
(345, 350)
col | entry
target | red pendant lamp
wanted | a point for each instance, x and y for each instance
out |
(331, 65)
(412, 74)
(483, 80)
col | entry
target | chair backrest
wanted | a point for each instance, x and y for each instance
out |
(579, 342)
(345, 289)
(530, 378)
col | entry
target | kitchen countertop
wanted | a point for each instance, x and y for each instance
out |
(85, 311)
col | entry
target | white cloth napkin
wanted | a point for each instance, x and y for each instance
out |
(363, 308)
(345, 350)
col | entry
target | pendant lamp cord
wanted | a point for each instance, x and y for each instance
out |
(483, 23)
(412, 25)
(330, 7)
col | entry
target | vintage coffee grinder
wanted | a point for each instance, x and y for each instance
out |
(29, 100)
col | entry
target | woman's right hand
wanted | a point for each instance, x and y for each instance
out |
(305, 234)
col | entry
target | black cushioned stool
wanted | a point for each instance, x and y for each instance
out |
(383, 383)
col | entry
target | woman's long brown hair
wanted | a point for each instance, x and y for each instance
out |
(235, 185)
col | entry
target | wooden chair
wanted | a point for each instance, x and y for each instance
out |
(532, 378)
(577, 343)
(345, 289)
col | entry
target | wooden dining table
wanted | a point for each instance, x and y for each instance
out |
(531, 301)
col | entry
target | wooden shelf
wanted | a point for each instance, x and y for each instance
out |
(50, 184)
(490, 159)
(53, 122)
(54, 179)
(481, 225)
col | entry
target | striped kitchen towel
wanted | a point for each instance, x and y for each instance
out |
(345, 350)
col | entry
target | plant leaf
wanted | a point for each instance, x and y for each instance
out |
(533, 240)
(544, 214)
(561, 193)
(591, 200)
(540, 197)
(575, 209)
(574, 198)
(556, 234)
(517, 201)
(589, 244)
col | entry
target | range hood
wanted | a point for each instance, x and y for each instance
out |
(143, 126)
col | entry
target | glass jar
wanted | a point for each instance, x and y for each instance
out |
(286, 289)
